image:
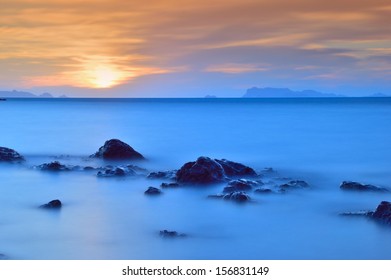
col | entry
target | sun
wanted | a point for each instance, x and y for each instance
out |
(104, 77)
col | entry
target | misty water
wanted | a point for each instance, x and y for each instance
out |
(321, 141)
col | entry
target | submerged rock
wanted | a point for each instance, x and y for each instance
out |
(263, 190)
(162, 174)
(54, 204)
(202, 171)
(235, 169)
(237, 196)
(354, 186)
(169, 185)
(358, 213)
(383, 212)
(10, 155)
(171, 234)
(294, 184)
(153, 191)
(240, 185)
(115, 149)
(120, 171)
(56, 166)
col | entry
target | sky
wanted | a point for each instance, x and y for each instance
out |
(193, 48)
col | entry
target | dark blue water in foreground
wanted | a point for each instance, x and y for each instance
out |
(322, 141)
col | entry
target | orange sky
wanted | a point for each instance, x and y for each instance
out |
(197, 47)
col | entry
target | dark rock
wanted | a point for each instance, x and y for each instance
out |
(169, 185)
(10, 155)
(202, 171)
(54, 204)
(234, 169)
(153, 191)
(237, 196)
(88, 168)
(354, 186)
(120, 171)
(115, 149)
(294, 184)
(3, 257)
(263, 190)
(383, 212)
(54, 166)
(171, 234)
(240, 185)
(358, 213)
(162, 175)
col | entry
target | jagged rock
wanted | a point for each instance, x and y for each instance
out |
(162, 174)
(171, 234)
(294, 184)
(354, 186)
(383, 212)
(202, 171)
(54, 204)
(10, 155)
(153, 191)
(169, 185)
(237, 196)
(115, 149)
(240, 185)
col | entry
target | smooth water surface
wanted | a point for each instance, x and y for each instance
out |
(322, 141)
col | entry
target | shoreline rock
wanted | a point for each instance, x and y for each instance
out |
(171, 234)
(115, 149)
(153, 191)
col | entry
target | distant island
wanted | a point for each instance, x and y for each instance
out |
(25, 94)
(269, 92)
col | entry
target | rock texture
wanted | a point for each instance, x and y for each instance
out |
(115, 149)
(354, 186)
(54, 204)
(153, 191)
(202, 171)
(383, 212)
(10, 155)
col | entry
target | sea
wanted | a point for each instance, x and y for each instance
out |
(322, 141)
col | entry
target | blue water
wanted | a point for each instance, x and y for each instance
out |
(322, 141)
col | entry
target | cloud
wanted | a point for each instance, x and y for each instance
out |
(235, 68)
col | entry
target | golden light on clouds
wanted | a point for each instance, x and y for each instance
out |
(104, 44)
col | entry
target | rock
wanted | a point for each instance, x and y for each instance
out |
(10, 155)
(3, 257)
(354, 186)
(153, 191)
(263, 190)
(294, 184)
(171, 234)
(358, 213)
(115, 149)
(234, 169)
(54, 166)
(169, 185)
(54, 204)
(240, 185)
(162, 174)
(120, 171)
(202, 171)
(383, 212)
(237, 196)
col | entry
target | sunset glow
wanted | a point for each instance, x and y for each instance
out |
(224, 46)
